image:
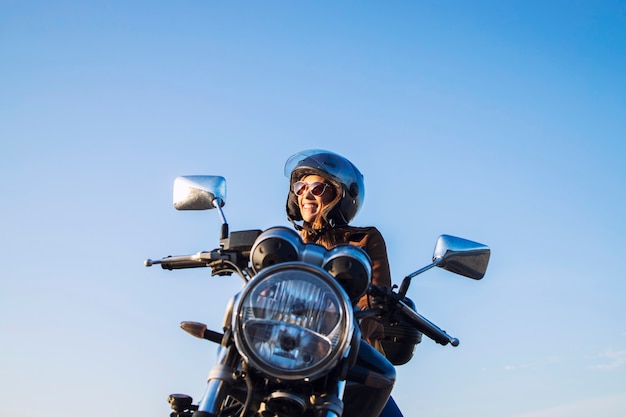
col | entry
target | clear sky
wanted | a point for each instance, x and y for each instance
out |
(499, 121)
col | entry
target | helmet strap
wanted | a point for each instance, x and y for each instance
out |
(315, 233)
(295, 225)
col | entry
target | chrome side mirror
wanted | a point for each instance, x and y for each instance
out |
(461, 256)
(457, 255)
(199, 192)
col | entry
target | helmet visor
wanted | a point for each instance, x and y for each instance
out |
(335, 166)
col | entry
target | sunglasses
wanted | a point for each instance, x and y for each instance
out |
(316, 188)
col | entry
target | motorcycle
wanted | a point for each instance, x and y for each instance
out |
(290, 341)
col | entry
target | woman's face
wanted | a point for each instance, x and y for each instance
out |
(311, 205)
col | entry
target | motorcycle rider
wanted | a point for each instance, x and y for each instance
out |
(326, 191)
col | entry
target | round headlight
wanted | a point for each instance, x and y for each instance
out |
(293, 321)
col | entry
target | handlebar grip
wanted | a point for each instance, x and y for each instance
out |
(426, 327)
(199, 260)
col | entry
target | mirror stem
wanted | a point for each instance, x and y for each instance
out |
(218, 203)
(404, 287)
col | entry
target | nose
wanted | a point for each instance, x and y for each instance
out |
(308, 194)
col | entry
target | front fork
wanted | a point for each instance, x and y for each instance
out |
(221, 380)
(331, 405)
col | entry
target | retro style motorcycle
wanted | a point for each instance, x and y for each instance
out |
(290, 341)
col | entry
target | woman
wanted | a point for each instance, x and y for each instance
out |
(326, 192)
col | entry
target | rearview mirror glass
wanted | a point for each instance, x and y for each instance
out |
(461, 256)
(199, 192)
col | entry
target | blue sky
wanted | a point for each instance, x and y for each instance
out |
(502, 122)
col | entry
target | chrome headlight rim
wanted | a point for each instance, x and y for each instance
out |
(343, 335)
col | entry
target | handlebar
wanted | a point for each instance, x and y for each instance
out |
(207, 259)
(393, 301)
(428, 328)
(221, 261)
(200, 259)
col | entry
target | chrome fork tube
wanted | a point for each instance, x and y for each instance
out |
(331, 405)
(220, 380)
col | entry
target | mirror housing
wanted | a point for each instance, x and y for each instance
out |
(461, 256)
(199, 192)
